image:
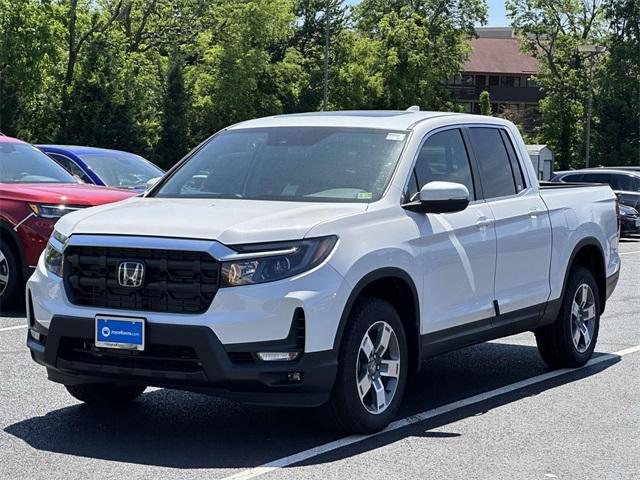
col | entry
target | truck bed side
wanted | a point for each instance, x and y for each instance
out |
(580, 215)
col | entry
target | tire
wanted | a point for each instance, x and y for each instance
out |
(105, 393)
(569, 341)
(10, 277)
(346, 410)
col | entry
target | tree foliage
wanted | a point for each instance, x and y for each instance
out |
(156, 77)
(553, 31)
(485, 103)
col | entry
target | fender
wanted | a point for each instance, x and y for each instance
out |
(553, 306)
(363, 283)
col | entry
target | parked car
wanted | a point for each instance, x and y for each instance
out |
(34, 193)
(625, 183)
(101, 166)
(320, 260)
(629, 220)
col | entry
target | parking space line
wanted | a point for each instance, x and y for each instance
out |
(16, 327)
(420, 417)
(628, 253)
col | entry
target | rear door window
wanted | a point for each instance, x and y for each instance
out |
(493, 161)
(518, 175)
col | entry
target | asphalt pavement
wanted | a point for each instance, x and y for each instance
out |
(491, 411)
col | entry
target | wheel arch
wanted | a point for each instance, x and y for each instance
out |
(396, 286)
(7, 232)
(588, 253)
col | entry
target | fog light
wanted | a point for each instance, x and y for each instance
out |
(277, 356)
(35, 335)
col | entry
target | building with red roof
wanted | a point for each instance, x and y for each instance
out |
(497, 65)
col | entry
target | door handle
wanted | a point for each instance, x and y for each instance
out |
(533, 212)
(483, 222)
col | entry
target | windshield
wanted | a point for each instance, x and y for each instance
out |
(290, 163)
(23, 163)
(122, 169)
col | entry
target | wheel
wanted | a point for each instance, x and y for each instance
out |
(10, 277)
(105, 393)
(372, 371)
(571, 339)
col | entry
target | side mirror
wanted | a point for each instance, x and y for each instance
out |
(151, 182)
(440, 197)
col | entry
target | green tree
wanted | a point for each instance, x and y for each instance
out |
(419, 43)
(552, 31)
(485, 103)
(27, 54)
(175, 133)
(617, 136)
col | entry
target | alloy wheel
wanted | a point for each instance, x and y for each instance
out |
(378, 367)
(583, 317)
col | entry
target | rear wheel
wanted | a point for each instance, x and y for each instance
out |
(105, 393)
(372, 370)
(571, 339)
(10, 277)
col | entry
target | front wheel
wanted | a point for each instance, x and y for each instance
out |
(372, 370)
(571, 339)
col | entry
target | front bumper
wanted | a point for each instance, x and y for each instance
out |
(185, 357)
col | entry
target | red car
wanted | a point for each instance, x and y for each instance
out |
(34, 192)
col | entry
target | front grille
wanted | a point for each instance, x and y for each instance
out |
(167, 358)
(175, 281)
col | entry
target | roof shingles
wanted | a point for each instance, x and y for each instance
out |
(499, 55)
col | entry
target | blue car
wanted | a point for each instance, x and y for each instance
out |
(101, 166)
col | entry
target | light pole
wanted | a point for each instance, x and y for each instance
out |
(591, 51)
(325, 70)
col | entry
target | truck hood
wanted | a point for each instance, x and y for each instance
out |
(228, 221)
(62, 193)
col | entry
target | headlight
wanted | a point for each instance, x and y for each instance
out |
(275, 261)
(51, 211)
(53, 253)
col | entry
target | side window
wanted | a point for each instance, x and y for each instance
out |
(443, 157)
(597, 178)
(493, 161)
(515, 164)
(574, 177)
(621, 182)
(70, 166)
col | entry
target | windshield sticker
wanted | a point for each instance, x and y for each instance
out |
(396, 137)
(364, 195)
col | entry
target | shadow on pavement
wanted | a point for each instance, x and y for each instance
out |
(185, 430)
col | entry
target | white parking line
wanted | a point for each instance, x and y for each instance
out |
(16, 327)
(420, 417)
(629, 253)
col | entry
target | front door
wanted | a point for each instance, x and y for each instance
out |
(459, 249)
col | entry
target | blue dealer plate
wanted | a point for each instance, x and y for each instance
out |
(120, 332)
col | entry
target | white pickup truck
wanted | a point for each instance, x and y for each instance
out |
(317, 259)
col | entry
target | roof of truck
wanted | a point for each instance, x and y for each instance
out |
(388, 119)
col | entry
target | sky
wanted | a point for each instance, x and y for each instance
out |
(497, 13)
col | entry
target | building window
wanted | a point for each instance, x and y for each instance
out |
(509, 81)
(494, 80)
(531, 83)
(467, 80)
(481, 80)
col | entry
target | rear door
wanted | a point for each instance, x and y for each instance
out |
(523, 227)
